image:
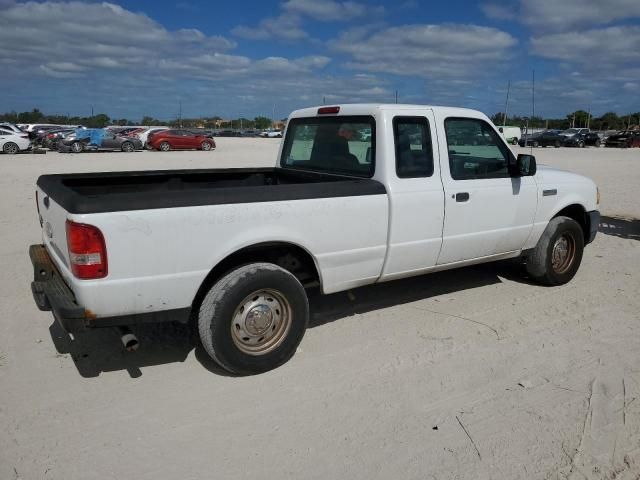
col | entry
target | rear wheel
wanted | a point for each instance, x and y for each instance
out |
(127, 147)
(534, 144)
(581, 144)
(253, 319)
(556, 144)
(11, 148)
(557, 256)
(165, 147)
(206, 146)
(597, 144)
(76, 147)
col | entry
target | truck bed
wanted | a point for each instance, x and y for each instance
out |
(142, 190)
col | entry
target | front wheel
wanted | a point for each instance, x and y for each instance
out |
(165, 147)
(127, 147)
(11, 148)
(557, 256)
(76, 147)
(597, 144)
(206, 146)
(557, 144)
(253, 319)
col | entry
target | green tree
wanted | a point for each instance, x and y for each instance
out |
(97, 121)
(262, 122)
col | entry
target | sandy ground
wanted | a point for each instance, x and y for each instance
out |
(468, 374)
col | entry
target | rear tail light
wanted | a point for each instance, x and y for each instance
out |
(87, 251)
(51, 135)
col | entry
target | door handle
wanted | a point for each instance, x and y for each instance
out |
(462, 197)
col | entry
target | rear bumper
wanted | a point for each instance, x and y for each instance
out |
(594, 223)
(51, 293)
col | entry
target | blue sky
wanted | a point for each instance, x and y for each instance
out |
(248, 58)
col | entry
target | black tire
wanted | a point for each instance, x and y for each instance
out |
(222, 309)
(127, 147)
(205, 146)
(544, 265)
(76, 147)
(164, 147)
(597, 144)
(556, 144)
(11, 148)
(534, 144)
(581, 144)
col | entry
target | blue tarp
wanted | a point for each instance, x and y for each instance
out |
(95, 135)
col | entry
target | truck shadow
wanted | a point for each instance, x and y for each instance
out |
(100, 350)
(620, 227)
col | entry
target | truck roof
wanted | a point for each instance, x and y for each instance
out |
(371, 108)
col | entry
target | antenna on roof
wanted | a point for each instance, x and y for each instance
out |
(506, 104)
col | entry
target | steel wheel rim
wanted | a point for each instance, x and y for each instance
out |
(261, 322)
(11, 148)
(206, 146)
(563, 253)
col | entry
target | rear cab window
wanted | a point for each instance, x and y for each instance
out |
(341, 144)
(414, 151)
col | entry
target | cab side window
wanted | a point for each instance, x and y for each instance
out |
(475, 150)
(414, 154)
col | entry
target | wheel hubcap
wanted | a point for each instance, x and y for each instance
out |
(261, 322)
(563, 253)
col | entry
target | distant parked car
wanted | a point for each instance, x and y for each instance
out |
(146, 135)
(249, 133)
(624, 139)
(52, 138)
(271, 134)
(93, 139)
(12, 142)
(582, 139)
(11, 127)
(227, 133)
(180, 140)
(548, 138)
(511, 134)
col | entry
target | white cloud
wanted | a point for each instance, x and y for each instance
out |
(554, 15)
(288, 25)
(612, 46)
(329, 10)
(429, 51)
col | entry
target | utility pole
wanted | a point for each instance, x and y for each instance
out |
(506, 104)
(324, 102)
(533, 96)
(180, 113)
(92, 110)
(273, 115)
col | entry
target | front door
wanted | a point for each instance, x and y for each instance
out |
(487, 212)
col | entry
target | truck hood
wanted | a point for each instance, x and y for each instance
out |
(556, 175)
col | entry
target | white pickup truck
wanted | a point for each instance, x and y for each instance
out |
(432, 188)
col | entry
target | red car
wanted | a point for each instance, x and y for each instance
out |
(180, 140)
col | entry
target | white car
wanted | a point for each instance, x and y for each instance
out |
(271, 134)
(12, 142)
(11, 127)
(234, 250)
(144, 136)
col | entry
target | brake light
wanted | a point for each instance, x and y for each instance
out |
(328, 110)
(87, 251)
(51, 135)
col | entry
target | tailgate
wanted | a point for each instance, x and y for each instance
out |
(53, 219)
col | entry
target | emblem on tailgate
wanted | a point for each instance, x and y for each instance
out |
(48, 229)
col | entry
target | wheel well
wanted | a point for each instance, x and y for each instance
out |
(291, 257)
(577, 213)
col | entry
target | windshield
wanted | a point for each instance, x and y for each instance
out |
(340, 144)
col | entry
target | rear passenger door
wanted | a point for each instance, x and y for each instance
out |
(416, 194)
(487, 212)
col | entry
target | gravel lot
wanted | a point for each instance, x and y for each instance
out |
(467, 374)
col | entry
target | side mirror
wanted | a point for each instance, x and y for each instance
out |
(525, 165)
